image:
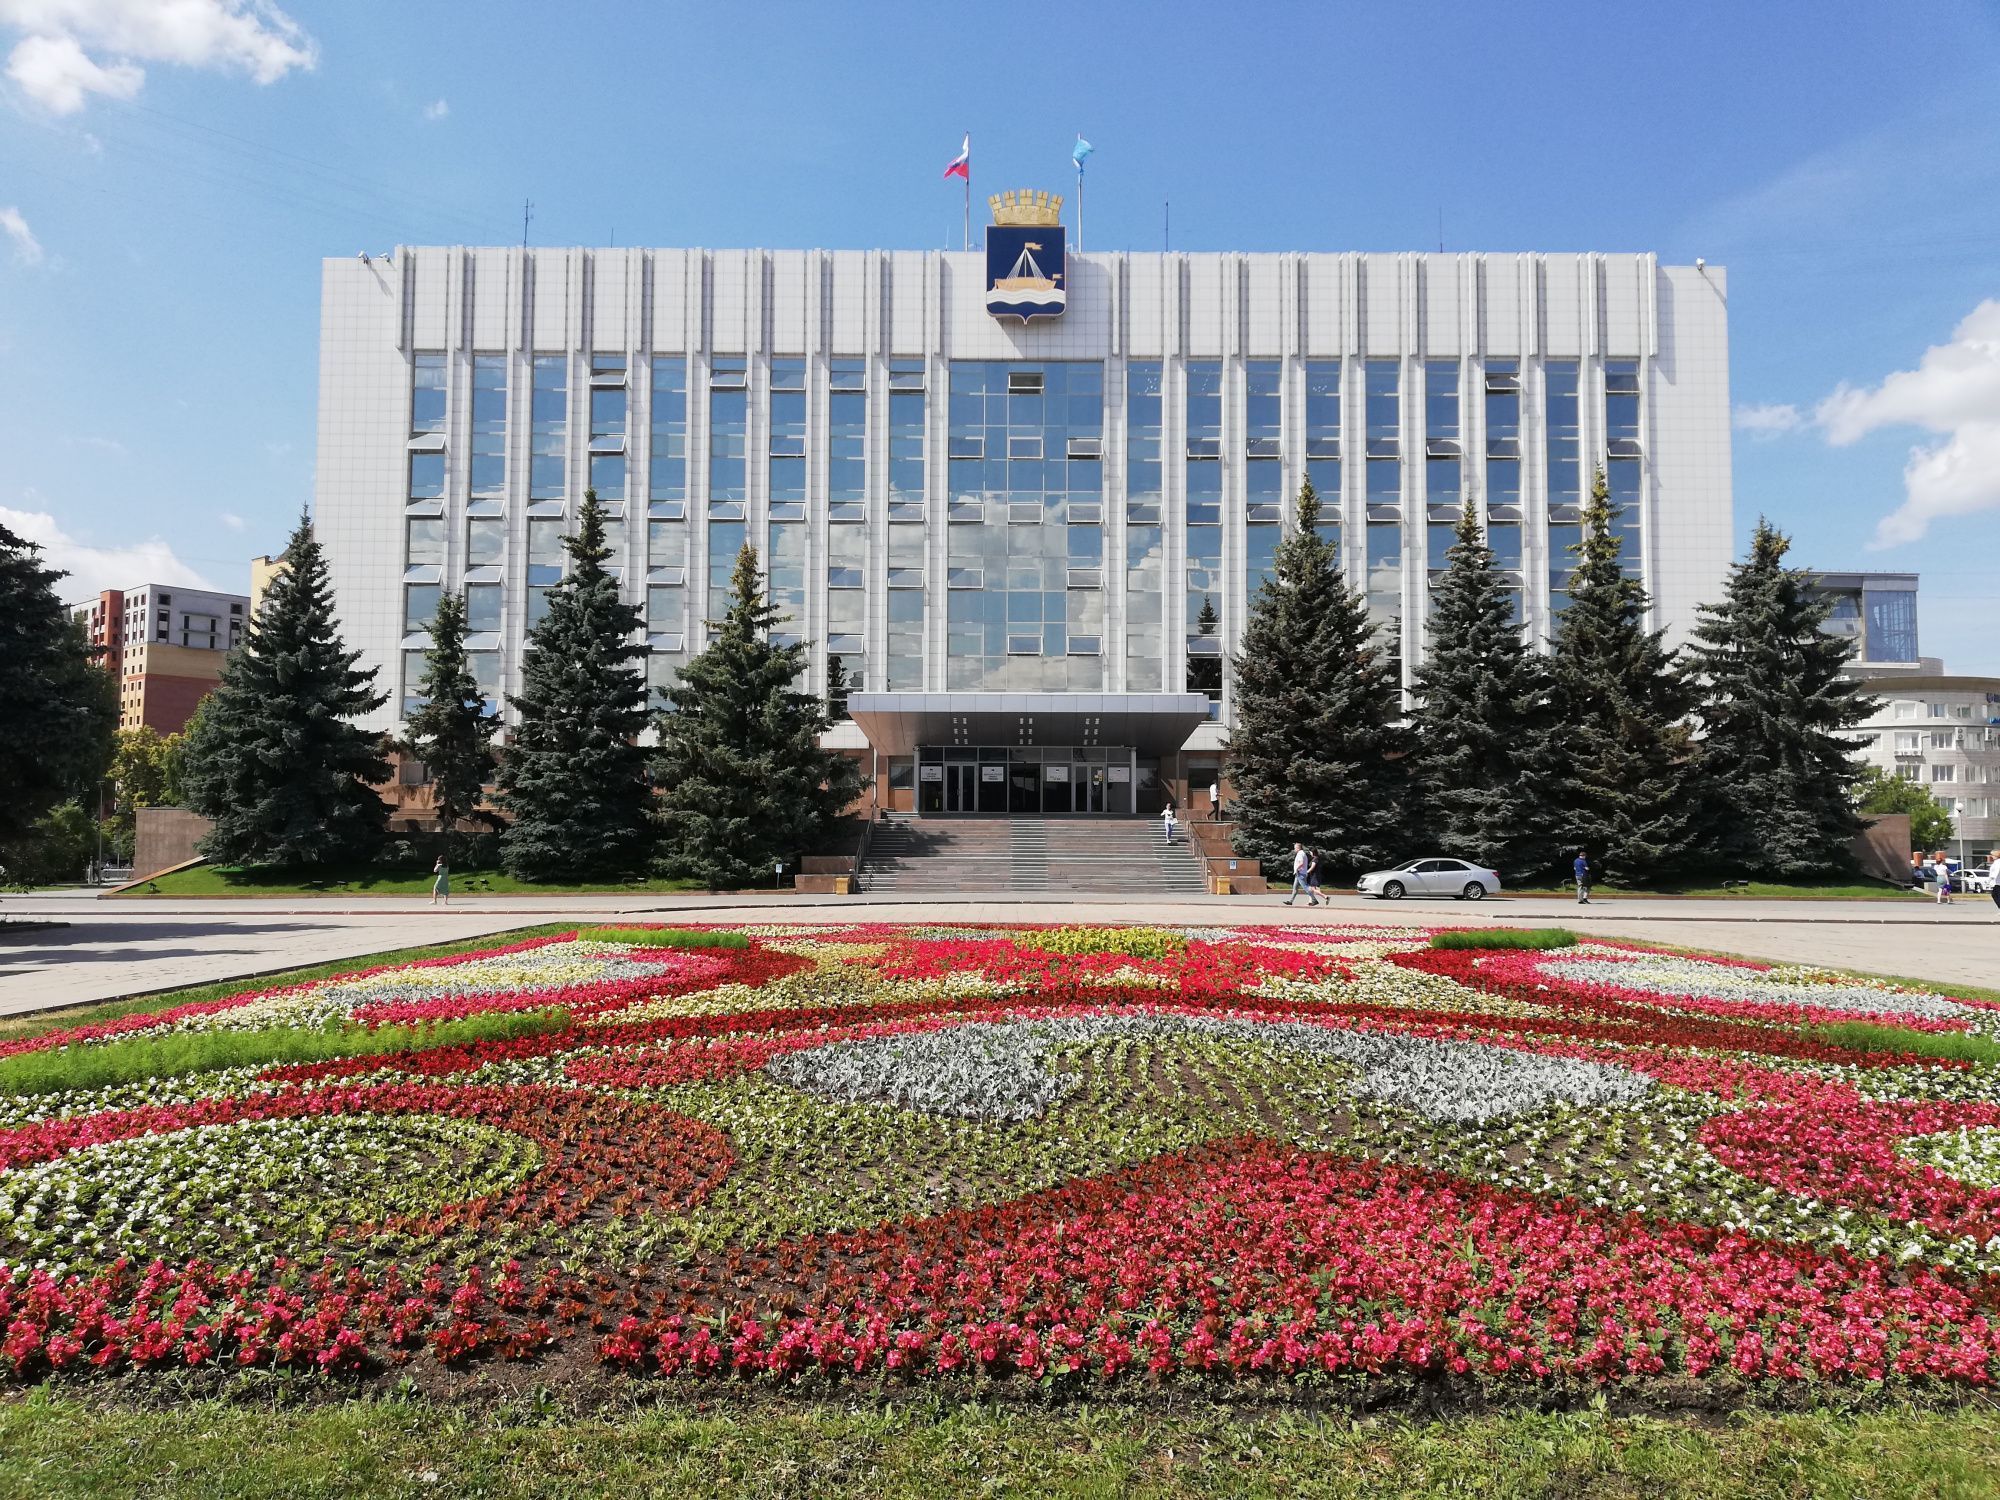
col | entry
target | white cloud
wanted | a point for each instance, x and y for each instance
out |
(437, 109)
(233, 521)
(27, 249)
(1771, 419)
(92, 569)
(71, 49)
(1954, 391)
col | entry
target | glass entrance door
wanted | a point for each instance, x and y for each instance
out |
(961, 789)
(1087, 788)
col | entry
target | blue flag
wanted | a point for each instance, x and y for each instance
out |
(1083, 149)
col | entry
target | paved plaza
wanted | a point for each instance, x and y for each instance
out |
(113, 948)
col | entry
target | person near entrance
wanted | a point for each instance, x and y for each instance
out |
(1301, 876)
(1167, 821)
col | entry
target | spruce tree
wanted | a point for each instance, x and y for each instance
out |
(58, 704)
(451, 733)
(744, 782)
(1482, 753)
(274, 759)
(1316, 752)
(1779, 771)
(1622, 750)
(574, 776)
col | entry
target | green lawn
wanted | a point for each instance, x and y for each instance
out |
(226, 880)
(34, 1023)
(222, 1450)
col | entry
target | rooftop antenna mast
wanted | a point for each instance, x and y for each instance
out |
(527, 213)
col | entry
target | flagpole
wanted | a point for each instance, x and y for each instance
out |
(966, 243)
(1079, 206)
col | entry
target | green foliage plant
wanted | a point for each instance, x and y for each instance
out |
(1317, 755)
(1870, 1036)
(1505, 937)
(276, 761)
(1133, 942)
(574, 776)
(172, 1054)
(662, 937)
(1876, 791)
(744, 784)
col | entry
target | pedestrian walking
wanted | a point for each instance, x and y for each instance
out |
(1167, 821)
(1301, 870)
(1941, 869)
(1582, 869)
(1993, 877)
(440, 883)
(1312, 879)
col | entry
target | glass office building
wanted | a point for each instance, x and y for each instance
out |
(1029, 547)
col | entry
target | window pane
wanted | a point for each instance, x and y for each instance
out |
(483, 541)
(426, 476)
(420, 601)
(425, 544)
(489, 424)
(427, 394)
(549, 428)
(482, 607)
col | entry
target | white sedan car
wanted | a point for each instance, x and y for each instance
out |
(1437, 876)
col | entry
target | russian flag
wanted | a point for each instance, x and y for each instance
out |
(961, 165)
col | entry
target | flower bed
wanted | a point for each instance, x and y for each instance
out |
(1074, 1155)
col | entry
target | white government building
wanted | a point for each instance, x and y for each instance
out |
(1030, 540)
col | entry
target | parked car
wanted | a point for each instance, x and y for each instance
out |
(1977, 878)
(1436, 876)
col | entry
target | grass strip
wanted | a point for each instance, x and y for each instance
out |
(54, 1447)
(662, 937)
(1504, 937)
(96, 1065)
(1868, 1036)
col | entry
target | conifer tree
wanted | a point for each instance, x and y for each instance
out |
(744, 783)
(1622, 750)
(1779, 773)
(1316, 753)
(451, 733)
(58, 704)
(574, 775)
(275, 759)
(1481, 762)
(1204, 670)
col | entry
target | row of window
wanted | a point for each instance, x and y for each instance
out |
(1442, 440)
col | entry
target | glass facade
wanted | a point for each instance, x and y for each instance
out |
(1145, 533)
(549, 428)
(954, 525)
(1026, 503)
(1202, 513)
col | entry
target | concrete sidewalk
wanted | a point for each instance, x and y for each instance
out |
(115, 948)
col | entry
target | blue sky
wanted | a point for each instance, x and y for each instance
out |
(170, 181)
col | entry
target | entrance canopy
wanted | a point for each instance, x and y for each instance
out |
(1151, 723)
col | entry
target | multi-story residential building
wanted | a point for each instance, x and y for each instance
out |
(264, 571)
(1943, 732)
(1030, 540)
(166, 643)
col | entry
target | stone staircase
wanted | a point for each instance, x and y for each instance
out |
(1032, 856)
